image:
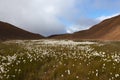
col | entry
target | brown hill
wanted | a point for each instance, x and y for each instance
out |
(8, 32)
(108, 29)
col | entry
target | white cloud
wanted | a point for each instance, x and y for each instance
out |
(85, 23)
(39, 16)
(74, 28)
(43, 16)
(81, 24)
(101, 18)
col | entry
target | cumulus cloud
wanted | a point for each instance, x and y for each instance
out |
(39, 16)
(43, 16)
(82, 24)
(72, 29)
(86, 23)
(95, 11)
(101, 18)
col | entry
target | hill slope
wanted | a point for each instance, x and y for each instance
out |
(8, 32)
(108, 29)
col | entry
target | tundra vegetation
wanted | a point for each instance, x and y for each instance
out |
(59, 60)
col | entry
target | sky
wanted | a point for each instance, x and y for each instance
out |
(48, 17)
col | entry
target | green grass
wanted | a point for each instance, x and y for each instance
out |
(36, 60)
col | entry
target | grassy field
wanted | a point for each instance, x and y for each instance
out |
(59, 60)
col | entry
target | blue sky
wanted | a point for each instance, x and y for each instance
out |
(94, 11)
(49, 17)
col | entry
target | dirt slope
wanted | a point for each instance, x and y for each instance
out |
(108, 29)
(8, 32)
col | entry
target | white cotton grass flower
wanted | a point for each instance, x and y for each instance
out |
(62, 75)
(68, 72)
(117, 75)
(77, 77)
(38, 50)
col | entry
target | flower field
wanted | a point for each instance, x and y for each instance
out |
(59, 60)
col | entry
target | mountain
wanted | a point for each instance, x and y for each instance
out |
(8, 32)
(108, 29)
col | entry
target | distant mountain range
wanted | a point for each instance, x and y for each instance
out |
(10, 32)
(108, 29)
